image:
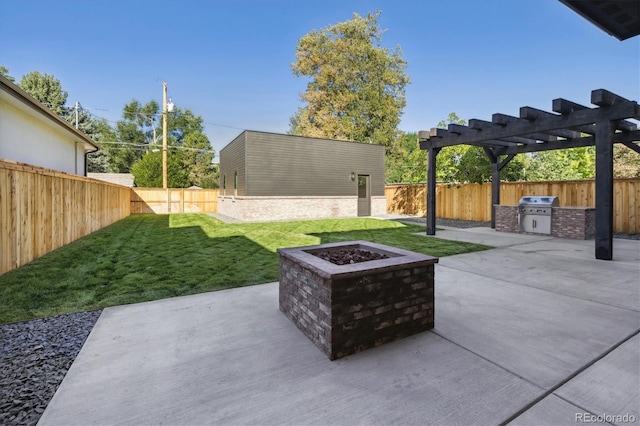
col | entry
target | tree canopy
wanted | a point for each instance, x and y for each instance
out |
(626, 162)
(562, 164)
(4, 71)
(406, 162)
(357, 87)
(147, 171)
(197, 159)
(190, 155)
(46, 89)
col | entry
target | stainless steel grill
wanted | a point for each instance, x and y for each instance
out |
(535, 214)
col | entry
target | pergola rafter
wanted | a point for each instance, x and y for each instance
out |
(570, 125)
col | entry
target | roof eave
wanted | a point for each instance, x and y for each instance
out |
(30, 101)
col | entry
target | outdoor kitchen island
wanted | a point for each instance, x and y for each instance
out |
(344, 309)
(543, 215)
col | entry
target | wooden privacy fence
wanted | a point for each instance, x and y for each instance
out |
(472, 201)
(173, 200)
(42, 210)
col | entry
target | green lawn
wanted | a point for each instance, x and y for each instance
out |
(149, 257)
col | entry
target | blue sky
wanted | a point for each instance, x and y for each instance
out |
(229, 61)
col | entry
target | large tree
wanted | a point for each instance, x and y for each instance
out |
(134, 133)
(46, 89)
(357, 87)
(405, 161)
(147, 171)
(146, 118)
(99, 130)
(468, 163)
(4, 71)
(626, 162)
(563, 164)
(140, 136)
(197, 158)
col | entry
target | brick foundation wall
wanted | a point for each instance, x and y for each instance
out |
(566, 222)
(258, 209)
(347, 315)
(507, 218)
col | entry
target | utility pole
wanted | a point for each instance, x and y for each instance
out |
(77, 108)
(164, 135)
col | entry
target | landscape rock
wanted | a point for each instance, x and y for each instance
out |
(34, 358)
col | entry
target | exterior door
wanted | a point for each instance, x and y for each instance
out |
(364, 196)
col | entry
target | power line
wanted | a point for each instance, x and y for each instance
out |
(156, 115)
(223, 125)
(149, 146)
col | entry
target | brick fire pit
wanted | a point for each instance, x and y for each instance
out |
(344, 309)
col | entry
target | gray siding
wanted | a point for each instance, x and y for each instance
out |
(285, 165)
(232, 159)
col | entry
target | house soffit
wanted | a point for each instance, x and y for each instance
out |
(619, 18)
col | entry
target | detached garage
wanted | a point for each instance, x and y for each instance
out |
(270, 176)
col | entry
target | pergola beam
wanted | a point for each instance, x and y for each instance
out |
(535, 114)
(632, 146)
(532, 114)
(504, 119)
(599, 97)
(627, 137)
(564, 144)
(618, 111)
(565, 107)
(460, 129)
(625, 125)
(622, 137)
(481, 124)
(602, 97)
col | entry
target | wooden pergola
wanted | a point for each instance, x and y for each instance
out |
(570, 125)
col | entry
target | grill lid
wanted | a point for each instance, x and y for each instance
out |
(543, 201)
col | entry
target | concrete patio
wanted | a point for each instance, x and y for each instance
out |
(535, 331)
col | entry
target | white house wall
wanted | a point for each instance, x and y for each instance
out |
(28, 137)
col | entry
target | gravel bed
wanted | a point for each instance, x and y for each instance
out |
(472, 224)
(627, 236)
(461, 223)
(34, 358)
(456, 223)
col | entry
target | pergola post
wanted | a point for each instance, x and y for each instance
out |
(432, 154)
(495, 191)
(604, 131)
(495, 183)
